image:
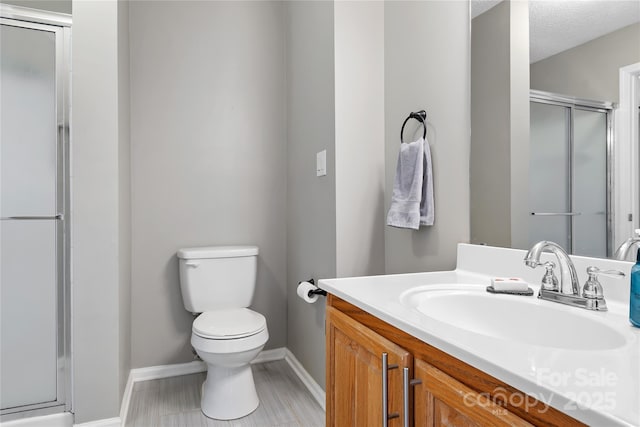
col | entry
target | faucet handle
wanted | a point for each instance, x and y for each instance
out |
(592, 288)
(549, 280)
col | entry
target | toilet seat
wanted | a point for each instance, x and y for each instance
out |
(229, 324)
(230, 347)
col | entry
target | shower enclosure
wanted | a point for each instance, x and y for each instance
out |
(570, 177)
(34, 200)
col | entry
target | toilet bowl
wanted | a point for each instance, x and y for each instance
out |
(218, 283)
(227, 345)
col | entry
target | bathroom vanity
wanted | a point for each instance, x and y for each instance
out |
(430, 349)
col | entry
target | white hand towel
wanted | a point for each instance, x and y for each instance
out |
(427, 206)
(404, 211)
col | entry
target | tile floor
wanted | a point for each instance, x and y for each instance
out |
(175, 401)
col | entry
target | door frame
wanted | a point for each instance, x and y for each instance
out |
(628, 154)
(60, 25)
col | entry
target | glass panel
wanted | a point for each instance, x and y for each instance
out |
(28, 319)
(549, 177)
(29, 125)
(28, 181)
(590, 183)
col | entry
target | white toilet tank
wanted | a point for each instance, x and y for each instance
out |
(217, 277)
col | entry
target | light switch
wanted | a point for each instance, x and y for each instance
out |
(321, 163)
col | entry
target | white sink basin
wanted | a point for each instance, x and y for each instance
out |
(514, 318)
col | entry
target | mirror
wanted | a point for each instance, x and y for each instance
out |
(544, 89)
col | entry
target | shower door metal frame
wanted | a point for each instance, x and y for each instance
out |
(607, 108)
(60, 25)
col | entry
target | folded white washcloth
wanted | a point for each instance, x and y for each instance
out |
(404, 211)
(427, 206)
(509, 284)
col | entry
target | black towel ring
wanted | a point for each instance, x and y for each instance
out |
(420, 116)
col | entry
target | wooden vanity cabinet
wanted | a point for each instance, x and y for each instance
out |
(440, 400)
(445, 390)
(355, 372)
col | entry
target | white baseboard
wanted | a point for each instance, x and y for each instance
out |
(165, 371)
(109, 422)
(314, 388)
(270, 355)
(155, 373)
(126, 398)
(64, 419)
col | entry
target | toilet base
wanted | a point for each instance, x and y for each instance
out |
(229, 392)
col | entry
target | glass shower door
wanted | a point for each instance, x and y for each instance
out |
(568, 175)
(32, 206)
(550, 175)
(590, 182)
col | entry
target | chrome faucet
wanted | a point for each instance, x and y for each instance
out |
(567, 269)
(591, 298)
(623, 251)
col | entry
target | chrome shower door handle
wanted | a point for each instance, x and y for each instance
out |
(556, 213)
(611, 273)
(33, 217)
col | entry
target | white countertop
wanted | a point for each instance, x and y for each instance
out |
(599, 388)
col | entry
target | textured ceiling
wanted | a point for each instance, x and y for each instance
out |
(558, 25)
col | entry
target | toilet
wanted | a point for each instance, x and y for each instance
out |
(217, 283)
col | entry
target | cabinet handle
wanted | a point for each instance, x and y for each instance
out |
(405, 393)
(385, 391)
(385, 411)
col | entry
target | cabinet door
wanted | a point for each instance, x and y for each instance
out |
(354, 374)
(442, 401)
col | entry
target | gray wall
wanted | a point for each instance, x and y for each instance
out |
(209, 162)
(359, 139)
(223, 143)
(490, 207)
(100, 218)
(311, 200)
(124, 190)
(335, 94)
(519, 121)
(427, 67)
(590, 70)
(500, 126)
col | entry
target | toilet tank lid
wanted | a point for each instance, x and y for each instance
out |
(218, 252)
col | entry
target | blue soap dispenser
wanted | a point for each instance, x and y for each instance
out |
(634, 299)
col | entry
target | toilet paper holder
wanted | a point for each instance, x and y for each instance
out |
(314, 291)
